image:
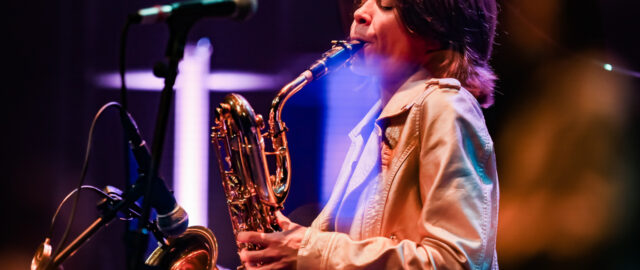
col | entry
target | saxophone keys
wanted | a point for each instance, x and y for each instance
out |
(260, 121)
(228, 160)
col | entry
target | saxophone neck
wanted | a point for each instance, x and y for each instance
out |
(339, 54)
(276, 126)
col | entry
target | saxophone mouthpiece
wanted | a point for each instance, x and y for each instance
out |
(339, 54)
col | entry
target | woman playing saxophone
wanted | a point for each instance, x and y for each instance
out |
(421, 190)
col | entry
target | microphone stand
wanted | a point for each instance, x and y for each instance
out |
(178, 30)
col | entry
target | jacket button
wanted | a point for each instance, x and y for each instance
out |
(392, 237)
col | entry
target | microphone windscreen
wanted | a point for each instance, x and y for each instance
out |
(173, 223)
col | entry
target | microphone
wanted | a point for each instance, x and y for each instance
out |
(172, 219)
(196, 9)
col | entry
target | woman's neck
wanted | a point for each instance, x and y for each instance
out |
(389, 85)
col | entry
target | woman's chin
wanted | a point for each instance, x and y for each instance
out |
(361, 69)
(363, 66)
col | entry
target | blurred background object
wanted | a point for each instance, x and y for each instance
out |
(565, 124)
(566, 134)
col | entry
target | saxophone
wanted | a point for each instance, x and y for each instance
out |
(254, 192)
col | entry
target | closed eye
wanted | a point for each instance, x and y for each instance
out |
(385, 5)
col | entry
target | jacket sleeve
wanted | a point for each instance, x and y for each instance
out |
(458, 189)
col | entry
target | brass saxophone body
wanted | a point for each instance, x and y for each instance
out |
(254, 193)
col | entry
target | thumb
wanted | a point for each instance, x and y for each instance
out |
(283, 221)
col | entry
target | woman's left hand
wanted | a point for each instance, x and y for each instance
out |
(280, 249)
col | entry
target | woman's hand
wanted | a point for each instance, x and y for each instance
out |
(280, 248)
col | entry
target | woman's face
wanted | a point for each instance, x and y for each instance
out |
(390, 50)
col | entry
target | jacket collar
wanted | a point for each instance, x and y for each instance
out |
(407, 95)
(404, 98)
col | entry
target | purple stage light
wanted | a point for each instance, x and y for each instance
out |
(219, 81)
(191, 156)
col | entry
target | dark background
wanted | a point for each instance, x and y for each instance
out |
(548, 57)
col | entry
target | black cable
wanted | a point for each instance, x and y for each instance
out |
(124, 101)
(83, 174)
(123, 96)
(55, 215)
(128, 235)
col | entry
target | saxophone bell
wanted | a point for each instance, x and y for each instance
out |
(196, 248)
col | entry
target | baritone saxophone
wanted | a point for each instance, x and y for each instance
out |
(253, 192)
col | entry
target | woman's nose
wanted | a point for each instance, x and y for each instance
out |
(361, 16)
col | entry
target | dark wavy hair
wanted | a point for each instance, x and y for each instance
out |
(465, 29)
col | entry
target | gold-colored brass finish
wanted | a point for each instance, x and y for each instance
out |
(254, 192)
(243, 165)
(195, 249)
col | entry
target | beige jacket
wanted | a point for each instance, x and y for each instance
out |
(437, 203)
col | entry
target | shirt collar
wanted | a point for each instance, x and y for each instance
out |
(370, 116)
